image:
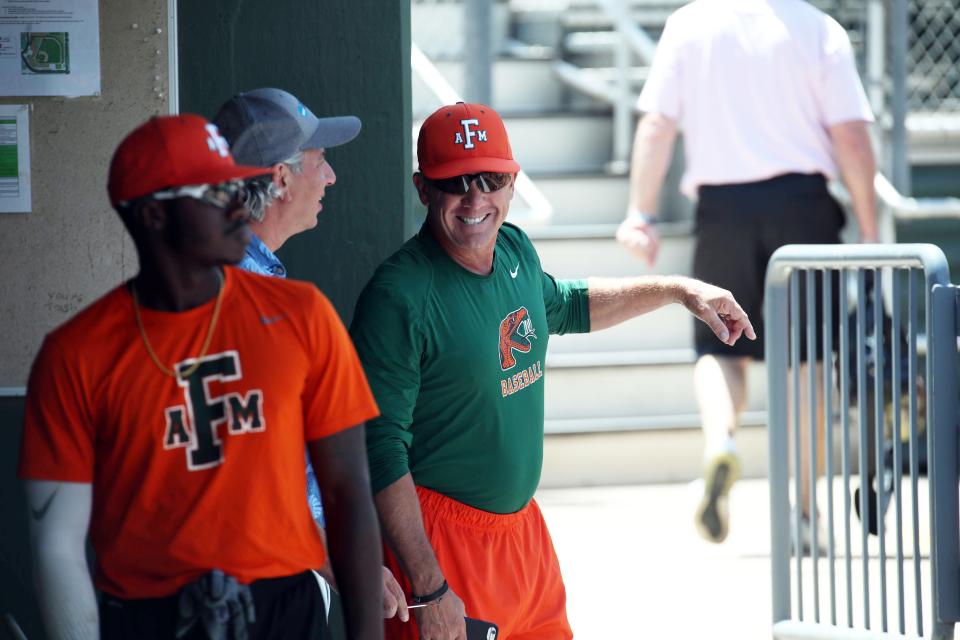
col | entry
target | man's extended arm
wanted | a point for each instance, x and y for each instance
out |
(858, 166)
(614, 300)
(402, 524)
(59, 517)
(652, 150)
(340, 463)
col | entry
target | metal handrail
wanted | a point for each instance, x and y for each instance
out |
(904, 208)
(894, 206)
(587, 84)
(636, 38)
(540, 210)
(632, 40)
(643, 47)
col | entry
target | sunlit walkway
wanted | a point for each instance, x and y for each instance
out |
(635, 567)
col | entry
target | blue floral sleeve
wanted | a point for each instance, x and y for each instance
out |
(313, 495)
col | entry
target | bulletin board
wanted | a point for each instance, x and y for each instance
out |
(70, 247)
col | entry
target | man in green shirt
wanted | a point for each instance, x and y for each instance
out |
(452, 332)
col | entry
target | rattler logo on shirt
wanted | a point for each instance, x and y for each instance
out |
(194, 424)
(516, 331)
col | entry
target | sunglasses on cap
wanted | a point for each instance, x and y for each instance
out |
(220, 195)
(488, 182)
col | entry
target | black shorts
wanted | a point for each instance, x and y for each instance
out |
(739, 226)
(288, 607)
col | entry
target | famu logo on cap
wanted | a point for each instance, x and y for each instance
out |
(469, 134)
(479, 142)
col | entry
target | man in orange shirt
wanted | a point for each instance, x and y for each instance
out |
(171, 417)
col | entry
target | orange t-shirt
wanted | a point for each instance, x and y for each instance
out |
(204, 472)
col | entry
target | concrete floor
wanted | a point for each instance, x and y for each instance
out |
(635, 566)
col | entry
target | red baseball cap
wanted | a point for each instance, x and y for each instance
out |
(464, 138)
(172, 151)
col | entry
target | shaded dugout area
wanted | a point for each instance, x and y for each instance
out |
(338, 57)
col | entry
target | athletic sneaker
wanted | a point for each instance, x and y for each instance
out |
(873, 524)
(806, 535)
(713, 517)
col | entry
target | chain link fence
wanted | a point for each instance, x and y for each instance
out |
(933, 50)
(933, 56)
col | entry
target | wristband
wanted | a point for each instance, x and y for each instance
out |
(431, 597)
(635, 216)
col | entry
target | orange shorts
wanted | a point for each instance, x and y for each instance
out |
(502, 566)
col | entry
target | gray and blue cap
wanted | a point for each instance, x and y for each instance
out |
(267, 126)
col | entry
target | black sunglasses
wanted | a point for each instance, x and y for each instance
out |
(488, 182)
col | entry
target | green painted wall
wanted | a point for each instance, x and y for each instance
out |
(338, 58)
(935, 181)
(16, 586)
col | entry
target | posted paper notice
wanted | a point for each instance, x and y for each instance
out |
(14, 159)
(49, 48)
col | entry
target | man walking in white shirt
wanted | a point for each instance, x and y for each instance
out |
(768, 98)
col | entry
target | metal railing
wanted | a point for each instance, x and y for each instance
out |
(879, 362)
(893, 207)
(904, 208)
(631, 41)
(634, 41)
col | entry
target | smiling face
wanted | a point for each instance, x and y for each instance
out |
(466, 225)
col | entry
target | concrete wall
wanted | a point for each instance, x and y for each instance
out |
(72, 248)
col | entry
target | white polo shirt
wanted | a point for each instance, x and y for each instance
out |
(753, 85)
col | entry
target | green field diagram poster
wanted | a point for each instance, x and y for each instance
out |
(49, 48)
(44, 52)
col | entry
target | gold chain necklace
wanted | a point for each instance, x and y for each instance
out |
(206, 342)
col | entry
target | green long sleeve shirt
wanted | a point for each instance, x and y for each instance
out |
(456, 363)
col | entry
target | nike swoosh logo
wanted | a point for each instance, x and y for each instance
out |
(515, 270)
(272, 319)
(42, 511)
